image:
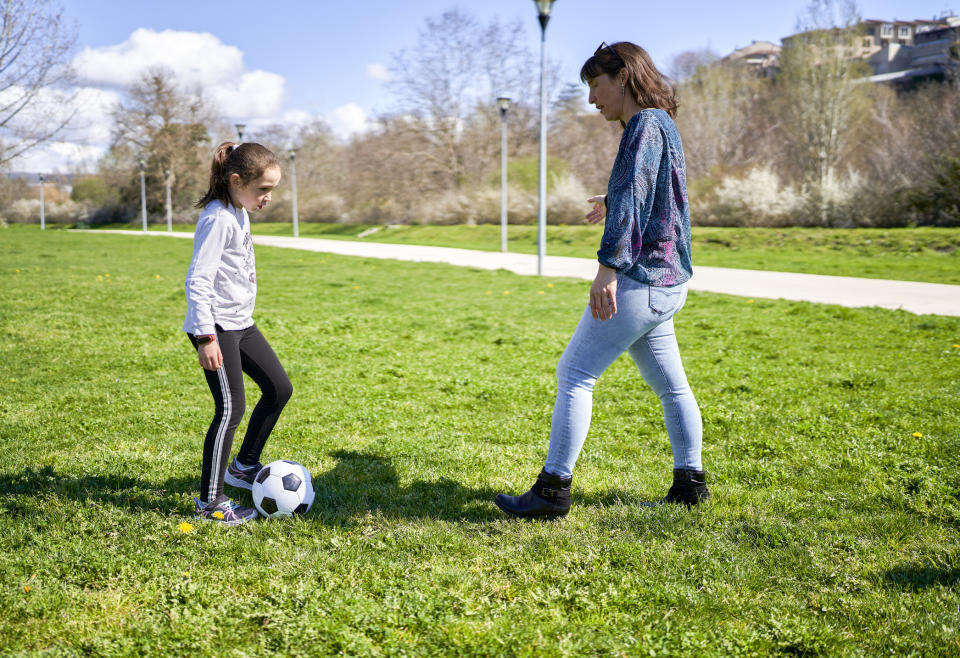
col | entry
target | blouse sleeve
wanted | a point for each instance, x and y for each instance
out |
(209, 240)
(630, 194)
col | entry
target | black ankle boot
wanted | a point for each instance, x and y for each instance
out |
(549, 497)
(689, 487)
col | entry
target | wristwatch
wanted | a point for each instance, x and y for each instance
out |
(206, 338)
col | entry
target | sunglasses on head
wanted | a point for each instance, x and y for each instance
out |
(603, 44)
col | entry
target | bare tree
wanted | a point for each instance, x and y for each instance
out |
(718, 116)
(824, 105)
(449, 82)
(35, 43)
(167, 127)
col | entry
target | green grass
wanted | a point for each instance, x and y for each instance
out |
(908, 254)
(421, 390)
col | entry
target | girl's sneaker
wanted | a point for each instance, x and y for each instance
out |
(242, 478)
(225, 511)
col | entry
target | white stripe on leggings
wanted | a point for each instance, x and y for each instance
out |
(221, 432)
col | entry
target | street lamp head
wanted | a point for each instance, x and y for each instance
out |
(240, 128)
(166, 174)
(41, 178)
(504, 104)
(293, 154)
(143, 166)
(543, 11)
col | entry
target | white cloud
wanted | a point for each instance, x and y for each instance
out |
(198, 59)
(60, 157)
(378, 72)
(347, 120)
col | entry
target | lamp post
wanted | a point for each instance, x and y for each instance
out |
(166, 181)
(543, 14)
(143, 194)
(240, 127)
(504, 104)
(293, 185)
(43, 220)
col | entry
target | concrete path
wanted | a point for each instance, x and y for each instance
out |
(920, 298)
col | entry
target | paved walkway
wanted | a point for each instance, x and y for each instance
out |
(920, 298)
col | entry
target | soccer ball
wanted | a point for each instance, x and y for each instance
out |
(282, 488)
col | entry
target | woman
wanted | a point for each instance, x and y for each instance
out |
(641, 282)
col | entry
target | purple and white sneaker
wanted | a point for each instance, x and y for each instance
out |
(241, 478)
(225, 511)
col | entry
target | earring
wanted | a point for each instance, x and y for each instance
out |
(623, 91)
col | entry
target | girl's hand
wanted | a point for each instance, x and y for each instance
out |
(211, 358)
(603, 294)
(599, 209)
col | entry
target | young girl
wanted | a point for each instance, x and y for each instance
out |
(641, 282)
(221, 290)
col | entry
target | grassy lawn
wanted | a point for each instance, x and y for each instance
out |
(420, 391)
(908, 254)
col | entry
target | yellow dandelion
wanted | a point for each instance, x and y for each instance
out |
(157, 276)
(549, 285)
(18, 269)
(186, 574)
(955, 346)
(185, 528)
(26, 588)
(13, 381)
(99, 278)
(356, 287)
(917, 435)
(107, 275)
(749, 301)
(540, 292)
(218, 515)
(489, 292)
(506, 292)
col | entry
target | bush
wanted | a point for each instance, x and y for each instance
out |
(27, 211)
(938, 203)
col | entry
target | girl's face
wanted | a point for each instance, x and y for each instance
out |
(255, 194)
(607, 95)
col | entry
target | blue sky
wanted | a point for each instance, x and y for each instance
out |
(293, 59)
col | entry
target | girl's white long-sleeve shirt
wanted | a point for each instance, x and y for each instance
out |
(221, 283)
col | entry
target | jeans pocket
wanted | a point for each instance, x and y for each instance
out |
(665, 300)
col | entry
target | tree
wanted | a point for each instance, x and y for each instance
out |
(35, 106)
(823, 105)
(718, 116)
(166, 127)
(449, 83)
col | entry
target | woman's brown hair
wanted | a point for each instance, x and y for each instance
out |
(248, 160)
(649, 87)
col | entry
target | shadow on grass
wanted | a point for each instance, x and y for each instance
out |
(120, 490)
(362, 482)
(359, 483)
(916, 577)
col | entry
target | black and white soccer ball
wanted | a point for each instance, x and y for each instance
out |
(282, 488)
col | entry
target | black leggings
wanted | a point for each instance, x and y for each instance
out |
(244, 351)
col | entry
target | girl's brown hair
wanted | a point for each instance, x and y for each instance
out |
(649, 87)
(248, 160)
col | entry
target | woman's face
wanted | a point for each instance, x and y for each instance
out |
(255, 194)
(607, 95)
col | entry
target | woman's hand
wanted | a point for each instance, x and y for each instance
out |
(211, 358)
(599, 210)
(603, 294)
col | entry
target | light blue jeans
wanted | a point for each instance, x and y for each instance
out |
(643, 326)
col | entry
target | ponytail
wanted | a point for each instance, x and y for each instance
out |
(248, 160)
